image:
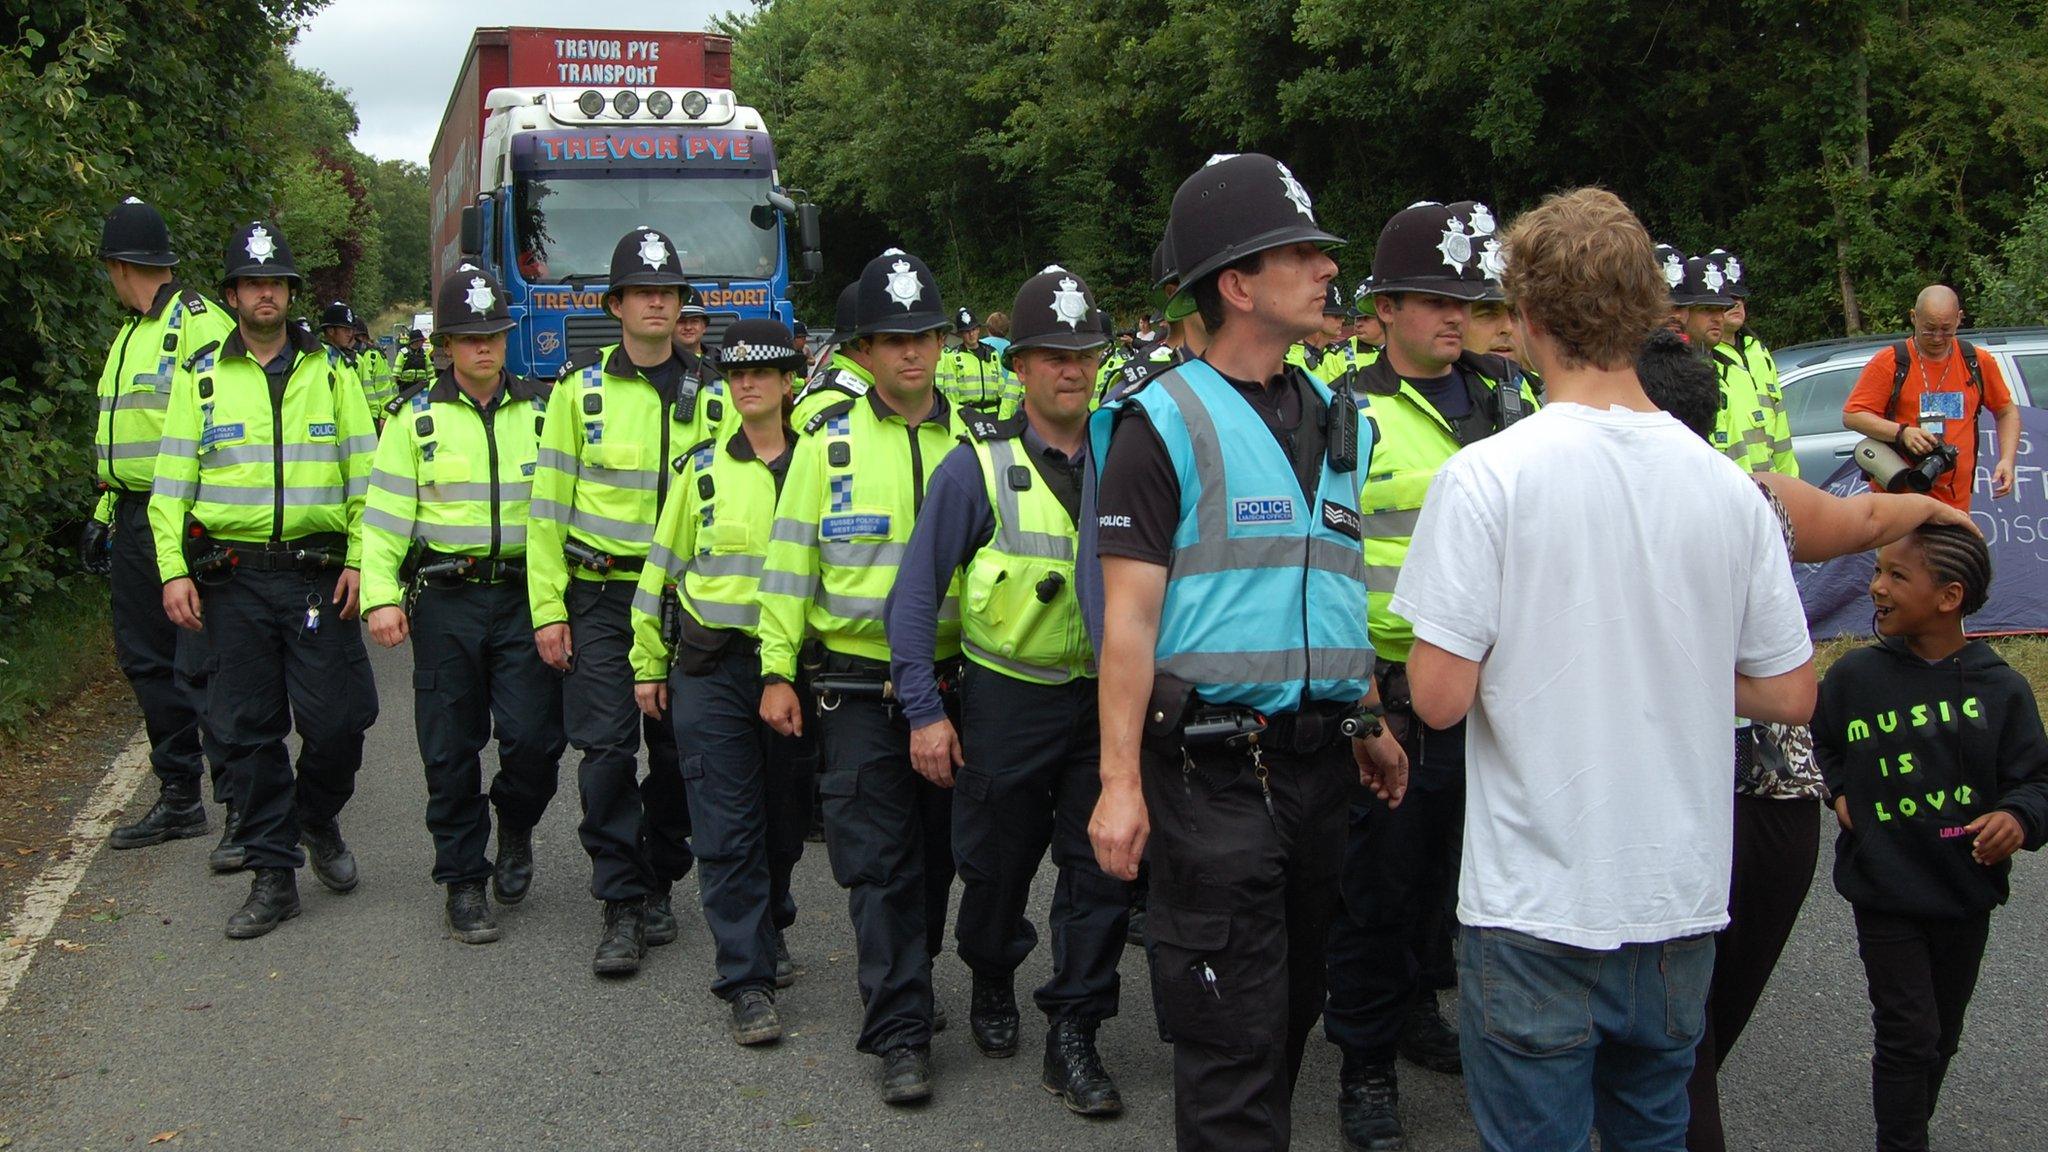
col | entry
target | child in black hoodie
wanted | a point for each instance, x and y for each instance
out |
(1933, 750)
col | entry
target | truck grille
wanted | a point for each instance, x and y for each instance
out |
(599, 329)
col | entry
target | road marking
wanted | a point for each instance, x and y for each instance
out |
(52, 888)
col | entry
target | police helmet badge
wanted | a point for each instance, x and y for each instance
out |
(1493, 259)
(480, 298)
(653, 252)
(1295, 193)
(1734, 270)
(1712, 278)
(903, 287)
(259, 245)
(1456, 246)
(1674, 272)
(1482, 220)
(1069, 307)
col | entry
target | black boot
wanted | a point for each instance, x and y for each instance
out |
(1427, 1041)
(176, 815)
(1366, 1103)
(906, 1075)
(661, 920)
(785, 968)
(273, 899)
(754, 1019)
(469, 913)
(228, 855)
(992, 1016)
(624, 942)
(1074, 1072)
(333, 864)
(513, 874)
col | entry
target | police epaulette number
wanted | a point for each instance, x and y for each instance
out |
(984, 428)
(194, 302)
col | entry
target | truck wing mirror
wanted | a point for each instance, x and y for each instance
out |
(807, 230)
(472, 241)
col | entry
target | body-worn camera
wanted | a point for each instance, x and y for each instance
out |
(1894, 471)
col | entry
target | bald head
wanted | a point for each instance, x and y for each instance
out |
(1936, 316)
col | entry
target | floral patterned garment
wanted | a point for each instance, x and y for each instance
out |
(1775, 761)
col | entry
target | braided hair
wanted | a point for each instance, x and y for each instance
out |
(1957, 556)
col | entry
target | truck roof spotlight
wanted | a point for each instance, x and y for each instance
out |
(590, 103)
(626, 103)
(694, 104)
(659, 103)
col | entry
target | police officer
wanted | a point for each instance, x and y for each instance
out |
(692, 322)
(259, 490)
(1671, 264)
(1235, 664)
(338, 339)
(973, 376)
(620, 417)
(1321, 351)
(378, 386)
(1750, 428)
(842, 373)
(1427, 395)
(855, 487)
(166, 322)
(696, 614)
(1002, 509)
(1367, 334)
(444, 561)
(1738, 343)
(415, 368)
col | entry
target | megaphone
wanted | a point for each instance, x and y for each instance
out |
(1893, 471)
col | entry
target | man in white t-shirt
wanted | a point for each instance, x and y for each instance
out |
(1652, 601)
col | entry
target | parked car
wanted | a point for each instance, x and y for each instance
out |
(1817, 377)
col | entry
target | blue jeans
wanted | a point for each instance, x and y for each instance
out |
(1558, 1041)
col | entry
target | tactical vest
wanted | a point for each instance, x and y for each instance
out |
(135, 387)
(1020, 614)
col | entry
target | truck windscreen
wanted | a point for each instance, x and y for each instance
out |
(567, 223)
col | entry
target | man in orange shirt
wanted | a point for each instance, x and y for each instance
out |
(1937, 399)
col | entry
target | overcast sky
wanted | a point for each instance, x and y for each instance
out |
(398, 58)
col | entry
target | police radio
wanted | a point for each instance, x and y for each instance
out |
(1341, 435)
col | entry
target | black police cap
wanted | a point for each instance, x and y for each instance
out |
(646, 258)
(1733, 269)
(846, 313)
(1055, 309)
(1237, 206)
(1705, 285)
(759, 343)
(1493, 255)
(1163, 270)
(963, 320)
(1435, 249)
(471, 302)
(257, 249)
(1333, 301)
(798, 329)
(898, 294)
(1671, 266)
(135, 233)
(339, 315)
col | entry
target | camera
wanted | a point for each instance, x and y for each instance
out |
(1894, 471)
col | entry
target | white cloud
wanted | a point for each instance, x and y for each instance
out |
(398, 60)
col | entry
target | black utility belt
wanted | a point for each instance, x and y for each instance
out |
(306, 554)
(1210, 728)
(441, 570)
(581, 555)
(129, 497)
(855, 677)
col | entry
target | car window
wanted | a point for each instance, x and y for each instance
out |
(1813, 404)
(2033, 368)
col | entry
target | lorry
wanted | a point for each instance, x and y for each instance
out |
(556, 142)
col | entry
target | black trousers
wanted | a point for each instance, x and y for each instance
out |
(636, 831)
(888, 832)
(749, 790)
(161, 660)
(475, 670)
(1240, 907)
(1031, 779)
(1777, 843)
(1921, 975)
(1391, 939)
(268, 674)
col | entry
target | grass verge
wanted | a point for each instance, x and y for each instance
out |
(63, 644)
(2027, 654)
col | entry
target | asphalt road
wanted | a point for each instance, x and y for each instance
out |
(361, 1025)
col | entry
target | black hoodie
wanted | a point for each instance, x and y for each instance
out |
(1921, 749)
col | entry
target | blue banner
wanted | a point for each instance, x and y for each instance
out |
(1837, 593)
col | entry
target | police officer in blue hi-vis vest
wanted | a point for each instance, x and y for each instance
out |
(1237, 695)
(1002, 510)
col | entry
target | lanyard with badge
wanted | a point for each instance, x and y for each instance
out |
(1938, 408)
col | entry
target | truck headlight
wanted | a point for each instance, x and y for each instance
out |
(659, 103)
(590, 103)
(626, 103)
(694, 104)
